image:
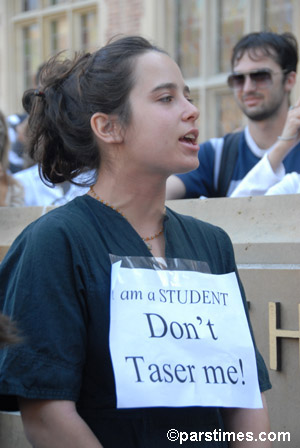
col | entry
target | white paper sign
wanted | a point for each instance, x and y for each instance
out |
(180, 338)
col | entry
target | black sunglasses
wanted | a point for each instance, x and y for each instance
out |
(260, 78)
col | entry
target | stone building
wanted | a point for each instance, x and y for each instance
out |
(199, 34)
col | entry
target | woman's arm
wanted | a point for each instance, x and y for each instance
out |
(54, 423)
(252, 421)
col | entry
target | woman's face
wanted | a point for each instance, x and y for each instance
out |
(162, 134)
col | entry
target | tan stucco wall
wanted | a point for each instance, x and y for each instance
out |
(266, 235)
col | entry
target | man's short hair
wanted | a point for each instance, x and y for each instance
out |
(282, 48)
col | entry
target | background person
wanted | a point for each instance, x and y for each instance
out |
(11, 191)
(16, 159)
(126, 112)
(264, 68)
(269, 177)
(38, 193)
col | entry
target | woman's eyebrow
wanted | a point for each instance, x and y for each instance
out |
(170, 86)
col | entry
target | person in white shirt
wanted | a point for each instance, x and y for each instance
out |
(37, 193)
(264, 66)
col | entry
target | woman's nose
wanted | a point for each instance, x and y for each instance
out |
(191, 113)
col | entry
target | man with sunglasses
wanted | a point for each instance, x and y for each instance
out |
(263, 74)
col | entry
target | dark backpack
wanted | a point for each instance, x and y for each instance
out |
(228, 160)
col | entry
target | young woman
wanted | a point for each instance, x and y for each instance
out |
(125, 112)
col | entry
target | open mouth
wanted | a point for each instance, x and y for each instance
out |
(190, 137)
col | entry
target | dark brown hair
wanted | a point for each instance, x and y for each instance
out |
(282, 48)
(70, 92)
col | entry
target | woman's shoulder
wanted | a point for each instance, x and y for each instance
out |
(65, 222)
(195, 225)
(69, 212)
(203, 241)
(58, 235)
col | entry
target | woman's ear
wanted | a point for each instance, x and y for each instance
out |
(107, 128)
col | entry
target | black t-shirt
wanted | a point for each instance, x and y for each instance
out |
(55, 283)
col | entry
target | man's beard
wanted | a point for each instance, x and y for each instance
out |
(261, 115)
(265, 113)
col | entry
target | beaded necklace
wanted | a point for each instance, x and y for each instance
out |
(147, 239)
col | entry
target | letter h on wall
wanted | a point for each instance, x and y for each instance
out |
(276, 334)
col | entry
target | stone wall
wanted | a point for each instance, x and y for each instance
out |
(266, 235)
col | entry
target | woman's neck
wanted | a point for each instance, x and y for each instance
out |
(140, 200)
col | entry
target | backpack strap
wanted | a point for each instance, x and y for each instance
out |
(228, 159)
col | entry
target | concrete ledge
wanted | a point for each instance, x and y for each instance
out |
(258, 226)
